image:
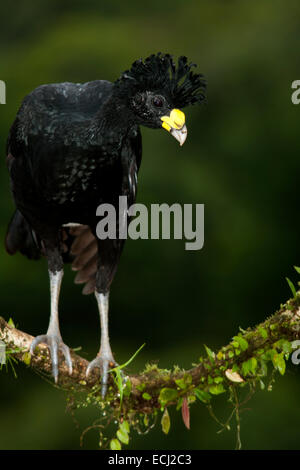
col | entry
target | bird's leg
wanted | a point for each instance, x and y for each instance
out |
(109, 252)
(53, 336)
(104, 359)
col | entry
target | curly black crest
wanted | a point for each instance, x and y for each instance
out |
(158, 72)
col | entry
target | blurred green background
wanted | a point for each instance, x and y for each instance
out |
(241, 160)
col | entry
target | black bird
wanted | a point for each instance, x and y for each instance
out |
(73, 147)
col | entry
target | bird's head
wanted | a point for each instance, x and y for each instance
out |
(156, 90)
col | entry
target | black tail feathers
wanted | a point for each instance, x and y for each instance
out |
(20, 237)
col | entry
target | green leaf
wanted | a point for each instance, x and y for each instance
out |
(202, 395)
(165, 421)
(185, 382)
(117, 370)
(167, 394)
(124, 426)
(268, 355)
(146, 396)
(179, 403)
(11, 323)
(210, 353)
(115, 444)
(146, 420)
(218, 380)
(122, 435)
(141, 387)
(297, 269)
(127, 388)
(292, 287)
(253, 364)
(119, 383)
(264, 368)
(249, 367)
(129, 360)
(284, 345)
(262, 385)
(242, 342)
(279, 362)
(216, 389)
(180, 383)
(263, 332)
(26, 358)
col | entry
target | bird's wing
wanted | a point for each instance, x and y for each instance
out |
(50, 131)
(84, 248)
(131, 161)
(49, 107)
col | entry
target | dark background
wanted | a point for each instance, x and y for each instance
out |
(241, 159)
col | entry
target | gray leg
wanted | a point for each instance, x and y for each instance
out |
(53, 337)
(104, 359)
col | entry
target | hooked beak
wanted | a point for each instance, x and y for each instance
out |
(175, 124)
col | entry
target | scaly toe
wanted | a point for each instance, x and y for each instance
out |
(104, 363)
(66, 352)
(55, 344)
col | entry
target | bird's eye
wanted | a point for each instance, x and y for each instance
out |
(157, 101)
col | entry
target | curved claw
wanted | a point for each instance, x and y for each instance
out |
(54, 344)
(104, 363)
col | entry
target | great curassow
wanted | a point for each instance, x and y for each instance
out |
(73, 147)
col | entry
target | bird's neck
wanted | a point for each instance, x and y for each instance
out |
(115, 118)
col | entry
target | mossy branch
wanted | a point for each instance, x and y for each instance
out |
(242, 361)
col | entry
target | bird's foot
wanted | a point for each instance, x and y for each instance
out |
(104, 362)
(55, 344)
